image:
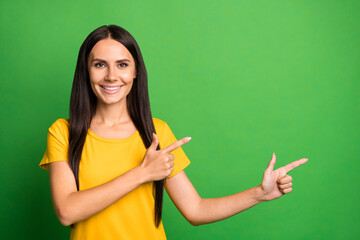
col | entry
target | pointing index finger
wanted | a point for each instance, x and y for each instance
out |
(294, 164)
(176, 144)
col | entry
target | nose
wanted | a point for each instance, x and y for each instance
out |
(111, 74)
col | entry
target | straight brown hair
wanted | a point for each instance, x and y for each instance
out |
(83, 102)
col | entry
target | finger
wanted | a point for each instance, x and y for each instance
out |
(294, 164)
(170, 161)
(272, 163)
(171, 157)
(287, 190)
(176, 144)
(154, 143)
(286, 179)
(171, 164)
(284, 186)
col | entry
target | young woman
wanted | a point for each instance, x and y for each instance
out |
(108, 162)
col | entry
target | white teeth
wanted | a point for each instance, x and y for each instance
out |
(111, 89)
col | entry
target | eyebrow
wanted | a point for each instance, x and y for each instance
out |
(101, 60)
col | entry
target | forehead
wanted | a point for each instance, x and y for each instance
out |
(109, 49)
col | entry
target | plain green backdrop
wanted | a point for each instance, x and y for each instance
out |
(244, 79)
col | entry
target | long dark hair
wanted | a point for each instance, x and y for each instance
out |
(83, 102)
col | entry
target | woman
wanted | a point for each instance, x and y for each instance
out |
(105, 163)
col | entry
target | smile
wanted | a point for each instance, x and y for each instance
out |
(111, 90)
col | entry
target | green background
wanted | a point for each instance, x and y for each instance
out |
(244, 79)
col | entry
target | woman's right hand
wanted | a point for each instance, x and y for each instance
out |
(158, 164)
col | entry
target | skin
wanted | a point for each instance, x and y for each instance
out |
(111, 64)
(113, 121)
(197, 210)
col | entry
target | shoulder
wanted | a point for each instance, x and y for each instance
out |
(161, 127)
(163, 131)
(60, 124)
(159, 123)
(60, 127)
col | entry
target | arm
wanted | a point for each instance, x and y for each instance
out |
(199, 210)
(72, 206)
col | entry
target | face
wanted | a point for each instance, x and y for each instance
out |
(112, 71)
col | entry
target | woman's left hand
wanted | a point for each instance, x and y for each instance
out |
(276, 183)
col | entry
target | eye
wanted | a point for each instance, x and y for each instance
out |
(123, 64)
(99, 65)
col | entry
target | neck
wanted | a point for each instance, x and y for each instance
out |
(111, 114)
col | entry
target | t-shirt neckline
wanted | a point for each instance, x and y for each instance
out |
(130, 138)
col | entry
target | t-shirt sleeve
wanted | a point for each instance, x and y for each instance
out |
(57, 143)
(181, 160)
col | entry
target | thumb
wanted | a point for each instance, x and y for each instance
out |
(154, 143)
(272, 163)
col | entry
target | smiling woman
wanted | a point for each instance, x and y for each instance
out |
(104, 179)
(112, 71)
(107, 170)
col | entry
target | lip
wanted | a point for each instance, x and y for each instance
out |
(110, 92)
(110, 86)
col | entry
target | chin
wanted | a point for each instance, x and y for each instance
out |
(112, 101)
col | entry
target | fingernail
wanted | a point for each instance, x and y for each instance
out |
(188, 139)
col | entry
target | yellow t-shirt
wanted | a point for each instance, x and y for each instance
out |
(103, 159)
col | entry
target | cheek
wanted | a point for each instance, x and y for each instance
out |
(93, 87)
(127, 77)
(93, 84)
(94, 79)
(95, 76)
(129, 87)
(129, 74)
